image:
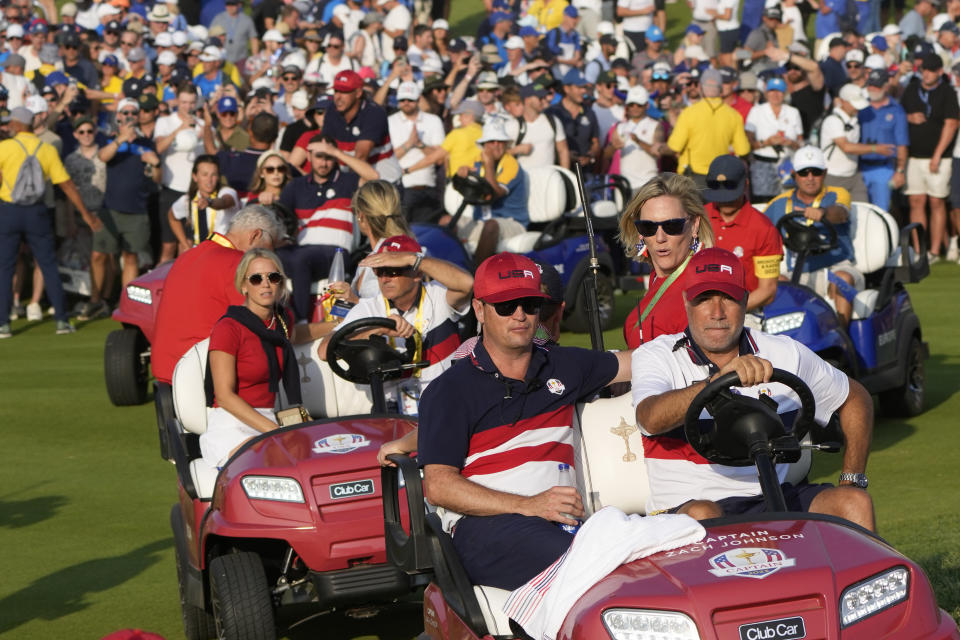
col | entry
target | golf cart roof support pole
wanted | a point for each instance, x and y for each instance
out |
(769, 482)
(590, 282)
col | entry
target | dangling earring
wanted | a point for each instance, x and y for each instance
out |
(695, 244)
(641, 247)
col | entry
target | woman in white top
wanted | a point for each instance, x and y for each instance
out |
(728, 31)
(207, 207)
(775, 131)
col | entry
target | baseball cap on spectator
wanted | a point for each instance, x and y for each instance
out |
(507, 276)
(837, 42)
(38, 28)
(196, 45)
(432, 83)
(637, 95)
(110, 60)
(711, 77)
(695, 29)
(347, 80)
(530, 90)
(514, 42)
(526, 32)
(400, 244)
(550, 281)
(494, 131)
(15, 60)
(168, 58)
(922, 49)
(56, 77)
(456, 45)
(728, 74)
(342, 11)
(367, 73)
(69, 10)
(661, 71)
(36, 104)
(932, 62)
(950, 26)
(136, 54)
(715, 269)
(272, 35)
(879, 43)
(854, 55)
(571, 11)
(299, 100)
(22, 115)
(226, 104)
(875, 61)
(400, 43)
(14, 31)
(726, 179)
(132, 87)
(49, 53)
(773, 12)
(606, 77)
(128, 102)
(113, 27)
(878, 78)
(164, 39)
(210, 53)
(292, 68)
(809, 157)
(148, 102)
(499, 16)
(891, 30)
(487, 80)
(854, 95)
(654, 34)
(82, 120)
(179, 39)
(48, 91)
(408, 91)
(938, 21)
(441, 24)
(469, 106)
(776, 84)
(696, 52)
(574, 77)
(105, 9)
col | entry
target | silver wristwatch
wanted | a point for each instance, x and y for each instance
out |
(858, 479)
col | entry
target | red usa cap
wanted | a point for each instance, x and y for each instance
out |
(507, 276)
(347, 80)
(715, 269)
(400, 243)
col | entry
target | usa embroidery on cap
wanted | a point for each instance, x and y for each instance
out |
(555, 387)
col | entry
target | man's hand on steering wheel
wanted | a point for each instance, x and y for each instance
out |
(404, 329)
(814, 213)
(751, 369)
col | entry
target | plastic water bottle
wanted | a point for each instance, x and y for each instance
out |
(567, 479)
(338, 272)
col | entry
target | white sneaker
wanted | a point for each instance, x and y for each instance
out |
(953, 253)
(34, 312)
(932, 258)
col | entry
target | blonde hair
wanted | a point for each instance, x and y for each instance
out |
(257, 182)
(666, 184)
(250, 256)
(379, 202)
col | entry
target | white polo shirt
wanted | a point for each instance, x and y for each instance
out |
(839, 125)
(177, 160)
(678, 473)
(763, 123)
(636, 24)
(430, 131)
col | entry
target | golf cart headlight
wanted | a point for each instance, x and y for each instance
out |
(139, 294)
(873, 595)
(786, 322)
(641, 624)
(270, 488)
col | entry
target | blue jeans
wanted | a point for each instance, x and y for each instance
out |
(35, 225)
(877, 178)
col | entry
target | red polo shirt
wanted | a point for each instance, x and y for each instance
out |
(742, 107)
(668, 316)
(196, 294)
(752, 238)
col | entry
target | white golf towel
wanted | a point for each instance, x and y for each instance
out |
(605, 541)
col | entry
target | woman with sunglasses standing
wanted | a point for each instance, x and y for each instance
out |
(207, 207)
(250, 354)
(664, 224)
(270, 178)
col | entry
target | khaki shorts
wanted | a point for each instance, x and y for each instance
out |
(920, 181)
(469, 230)
(127, 232)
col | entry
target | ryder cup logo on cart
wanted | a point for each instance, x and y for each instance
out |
(750, 562)
(340, 443)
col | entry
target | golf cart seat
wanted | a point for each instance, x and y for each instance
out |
(325, 394)
(875, 235)
(190, 408)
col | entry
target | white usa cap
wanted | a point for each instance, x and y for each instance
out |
(408, 91)
(637, 95)
(809, 157)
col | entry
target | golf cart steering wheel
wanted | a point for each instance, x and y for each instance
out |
(740, 423)
(799, 236)
(366, 356)
(474, 189)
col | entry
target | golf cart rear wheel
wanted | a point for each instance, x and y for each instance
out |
(578, 321)
(242, 605)
(907, 400)
(124, 369)
(197, 623)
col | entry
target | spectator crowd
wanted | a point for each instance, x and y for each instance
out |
(167, 118)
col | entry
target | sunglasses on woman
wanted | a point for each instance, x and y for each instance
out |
(803, 173)
(256, 279)
(530, 306)
(274, 168)
(671, 227)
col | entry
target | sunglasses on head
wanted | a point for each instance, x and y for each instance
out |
(530, 306)
(256, 279)
(671, 227)
(803, 173)
(390, 272)
(274, 168)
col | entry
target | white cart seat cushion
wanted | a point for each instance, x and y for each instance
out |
(491, 601)
(864, 304)
(189, 397)
(520, 243)
(546, 193)
(874, 234)
(204, 478)
(324, 394)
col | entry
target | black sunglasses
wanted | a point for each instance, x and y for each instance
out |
(257, 278)
(391, 272)
(530, 306)
(854, 65)
(671, 227)
(803, 173)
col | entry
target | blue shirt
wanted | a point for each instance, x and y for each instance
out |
(208, 87)
(789, 203)
(883, 125)
(128, 187)
(827, 23)
(513, 178)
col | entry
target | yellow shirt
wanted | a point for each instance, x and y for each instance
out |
(115, 85)
(705, 130)
(12, 156)
(229, 69)
(548, 12)
(461, 146)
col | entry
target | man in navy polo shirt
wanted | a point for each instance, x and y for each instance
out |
(579, 123)
(360, 127)
(321, 202)
(495, 437)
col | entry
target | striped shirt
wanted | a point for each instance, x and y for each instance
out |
(323, 208)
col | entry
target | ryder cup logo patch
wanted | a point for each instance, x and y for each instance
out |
(555, 387)
(750, 562)
(331, 193)
(340, 443)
